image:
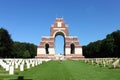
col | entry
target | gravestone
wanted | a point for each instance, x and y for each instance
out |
(116, 64)
(22, 67)
(11, 70)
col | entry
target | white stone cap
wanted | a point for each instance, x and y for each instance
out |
(71, 37)
(47, 37)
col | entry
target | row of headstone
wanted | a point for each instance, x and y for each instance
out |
(12, 64)
(113, 62)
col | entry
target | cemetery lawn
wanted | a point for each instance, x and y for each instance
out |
(67, 70)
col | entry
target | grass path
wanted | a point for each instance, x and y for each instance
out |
(68, 70)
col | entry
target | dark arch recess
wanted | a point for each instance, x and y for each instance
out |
(72, 50)
(47, 48)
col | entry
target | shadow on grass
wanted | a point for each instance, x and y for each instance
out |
(20, 78)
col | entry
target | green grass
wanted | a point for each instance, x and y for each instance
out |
(67, 70)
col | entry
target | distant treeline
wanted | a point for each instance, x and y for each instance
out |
(24, 50)
(12, 49)
(108, 47)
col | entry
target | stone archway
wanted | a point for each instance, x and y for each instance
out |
(60, 28)
(63, 41)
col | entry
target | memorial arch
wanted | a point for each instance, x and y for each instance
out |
(62, 43)
(72, 48)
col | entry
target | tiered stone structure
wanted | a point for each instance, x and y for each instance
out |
(72, 48)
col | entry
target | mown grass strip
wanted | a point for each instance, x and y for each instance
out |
(67, 70)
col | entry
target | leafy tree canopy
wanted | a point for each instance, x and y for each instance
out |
(108, 47)
(6, 43)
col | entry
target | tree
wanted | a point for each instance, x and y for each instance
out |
(108, 47)
(6, 43)
(26, 54)
(20, 49)
(116, 36)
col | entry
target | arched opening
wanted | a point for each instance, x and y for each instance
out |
(59, 33)
(47, 48)
(59, 43)
(72, 50)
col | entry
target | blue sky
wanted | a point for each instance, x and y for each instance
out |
(29, 20)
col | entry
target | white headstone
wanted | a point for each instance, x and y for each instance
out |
(33, 64)
(22, 67)
(116, 64)
(7, 67)
(28, 65)
(39, 62)
(36, 63)
(16, 65)
(11, 70)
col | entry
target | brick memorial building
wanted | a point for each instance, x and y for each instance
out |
(72, 48)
